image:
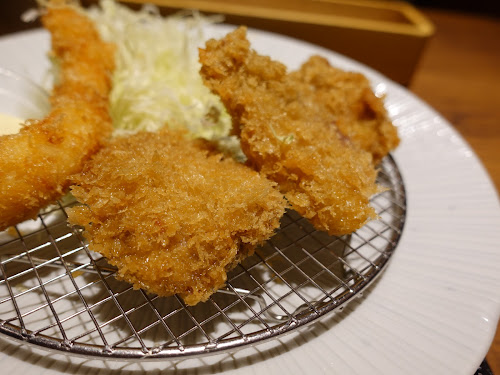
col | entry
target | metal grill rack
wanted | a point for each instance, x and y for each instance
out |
(57, 294)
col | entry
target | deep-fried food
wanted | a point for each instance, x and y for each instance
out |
(171, 215)
(289, 137)
(36, 162)
(348, 98)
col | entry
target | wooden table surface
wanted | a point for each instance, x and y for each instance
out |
(459, 75)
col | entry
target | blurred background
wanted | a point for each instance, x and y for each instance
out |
(390, 36)
(478, 7)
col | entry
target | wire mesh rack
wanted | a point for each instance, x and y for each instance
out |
(57, 294)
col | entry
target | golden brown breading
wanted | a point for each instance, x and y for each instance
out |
(36, 162)
(348, 98)
(289, 137)
(171, 215)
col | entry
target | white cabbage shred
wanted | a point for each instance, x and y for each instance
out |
(156, 80)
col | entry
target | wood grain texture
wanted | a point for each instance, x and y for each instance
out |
(459, 75)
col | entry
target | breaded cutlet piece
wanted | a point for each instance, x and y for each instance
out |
(289, 137)
(172, 216)
(348, 98)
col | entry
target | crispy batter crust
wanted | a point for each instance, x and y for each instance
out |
(289, 132)
(36, 162)
(171, 215)
(347, 98)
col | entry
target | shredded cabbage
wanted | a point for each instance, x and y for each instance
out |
(156, 80)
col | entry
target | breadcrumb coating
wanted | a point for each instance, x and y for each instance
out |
(347, 98)
(173, 216)
(35, 164)
(289, 133)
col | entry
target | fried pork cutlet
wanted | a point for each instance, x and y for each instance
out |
(289, 136)
(35, 163)
(172, 216)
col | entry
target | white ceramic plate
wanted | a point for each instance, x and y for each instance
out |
(433, 311)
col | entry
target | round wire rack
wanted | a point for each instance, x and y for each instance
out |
(57, 294)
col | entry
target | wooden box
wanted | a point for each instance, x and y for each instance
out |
(386, 35)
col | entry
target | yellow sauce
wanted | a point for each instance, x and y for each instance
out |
(9, 124)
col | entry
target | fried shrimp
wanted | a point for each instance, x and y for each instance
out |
(171, 215)
(36, 162)
(291, 138)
